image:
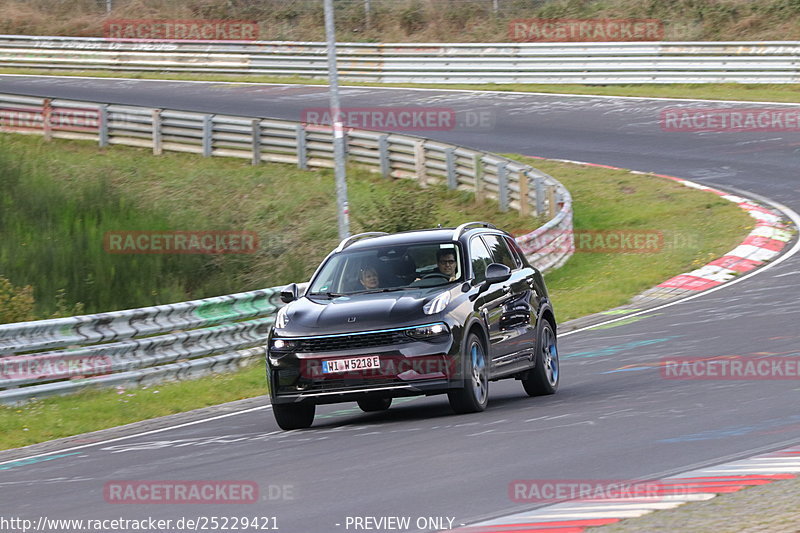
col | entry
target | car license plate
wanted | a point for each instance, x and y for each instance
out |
(349, 365)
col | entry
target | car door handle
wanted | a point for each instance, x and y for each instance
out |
(506, 289)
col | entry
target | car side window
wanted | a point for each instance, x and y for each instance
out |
(479, 258)
(500, 252)
(515, 251)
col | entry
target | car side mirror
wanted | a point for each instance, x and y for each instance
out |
(497, 273)
(289, 293)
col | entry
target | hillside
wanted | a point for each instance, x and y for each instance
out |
(414, 20)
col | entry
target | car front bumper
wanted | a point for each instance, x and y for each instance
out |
(409, 369)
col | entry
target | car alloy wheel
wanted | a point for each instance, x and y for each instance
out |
(474, 395)
(544, 377)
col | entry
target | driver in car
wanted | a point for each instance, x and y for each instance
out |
(446, 264)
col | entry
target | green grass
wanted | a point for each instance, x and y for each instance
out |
(696, 228)
(269, 196)
(91, 410)
(757, 92)
(66, 195)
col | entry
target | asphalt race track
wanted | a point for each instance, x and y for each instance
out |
(614, 416)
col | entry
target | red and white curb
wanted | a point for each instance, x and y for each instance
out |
(696, 485)
(765, 242)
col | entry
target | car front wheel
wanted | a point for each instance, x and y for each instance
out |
(294, 415)
(474, 395)
(543, 378)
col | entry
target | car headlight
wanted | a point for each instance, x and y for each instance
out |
(281, 319)
(437, 305)
(430, 331)
(282, 345)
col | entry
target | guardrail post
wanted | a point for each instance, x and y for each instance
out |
(477, 163)
(502, 186)
(102, 125)
(419, 163)
(538, 184)
(552, 206)
(524, 205)
(383, 155)
(208, 132)
(47, 112)
(157, 145)
(255, 130)
(450, 161)
(302, 147)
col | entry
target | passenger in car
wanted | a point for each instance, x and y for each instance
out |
(368, 277)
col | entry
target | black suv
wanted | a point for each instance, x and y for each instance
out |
(434, 311)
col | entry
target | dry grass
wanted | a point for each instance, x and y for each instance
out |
(414, 20)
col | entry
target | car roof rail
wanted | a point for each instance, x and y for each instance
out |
(459, 231)
(347, 241)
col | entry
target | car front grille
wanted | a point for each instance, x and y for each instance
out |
(347, 342)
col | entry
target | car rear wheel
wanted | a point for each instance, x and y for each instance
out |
(294, 415)
(543, 378)
(370, 405)
(474, 395)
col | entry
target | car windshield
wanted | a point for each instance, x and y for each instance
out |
(389, 268)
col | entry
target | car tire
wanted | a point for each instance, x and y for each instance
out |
(543, 378)
(474, 395)
(294, 415)
(371, 405)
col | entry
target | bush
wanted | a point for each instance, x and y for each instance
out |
(16, 303)
(406, 209)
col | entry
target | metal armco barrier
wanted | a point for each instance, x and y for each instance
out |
(133, 347)
(189, 339)
(584, 63)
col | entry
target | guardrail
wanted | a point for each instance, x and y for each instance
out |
(193, 338)
(584, 63)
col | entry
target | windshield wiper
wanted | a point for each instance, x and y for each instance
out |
(376, 291)
(328, 294)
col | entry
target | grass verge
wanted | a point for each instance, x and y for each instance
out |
(54, 240)
(694, 229)
(696, 226)
(766, 508)
(420, 21)
(753, 92)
